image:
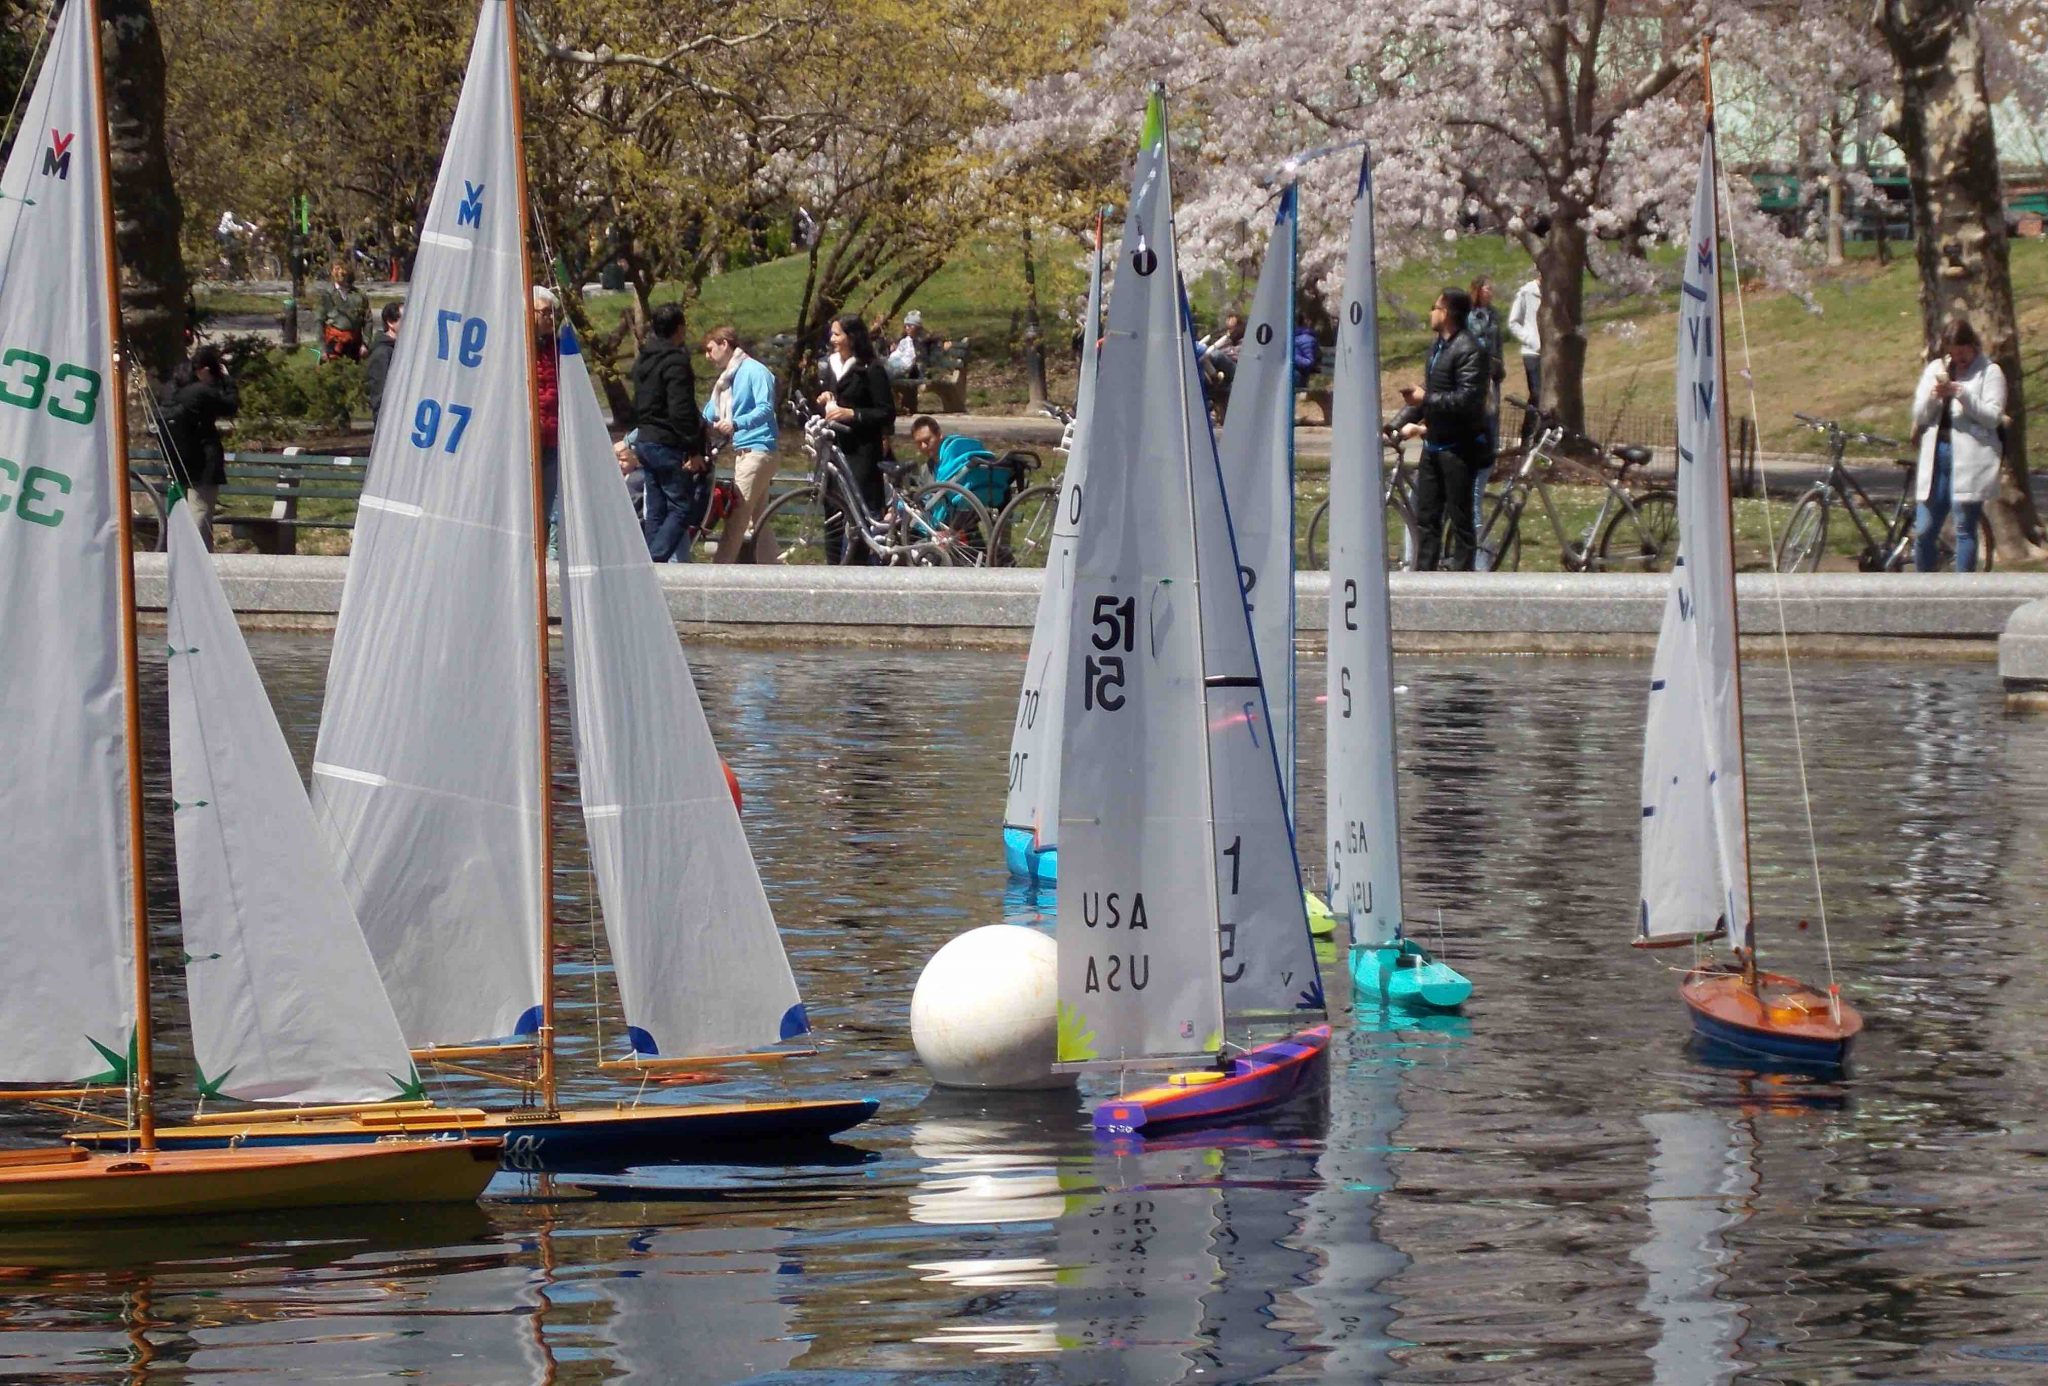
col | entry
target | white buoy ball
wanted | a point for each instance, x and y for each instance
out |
(984, 1014)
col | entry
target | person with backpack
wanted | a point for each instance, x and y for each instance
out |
(1308, 355)
(741, 415)
(196, 398)
(670, 444)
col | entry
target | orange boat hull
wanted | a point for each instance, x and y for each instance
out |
(67, 1183)
(1781, 1019)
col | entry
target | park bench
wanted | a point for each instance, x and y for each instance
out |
(285, 479)
(1317, 392)
(945, 376)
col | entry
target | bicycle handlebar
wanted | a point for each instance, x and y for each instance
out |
(1851, 435)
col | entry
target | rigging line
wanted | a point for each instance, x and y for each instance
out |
(1778, 596)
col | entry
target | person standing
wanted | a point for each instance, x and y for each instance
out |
(547, 400)
(1958, 411)
(1484, 325)
(377, 365)
(196, 398)
(1453, 402)
(344, 314)
(1522, 314)
(671, 436)
(741, 414)
(857, 395)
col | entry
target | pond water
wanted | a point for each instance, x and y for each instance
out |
(1549, 1189)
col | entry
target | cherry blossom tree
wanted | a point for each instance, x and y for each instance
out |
(1573, 125)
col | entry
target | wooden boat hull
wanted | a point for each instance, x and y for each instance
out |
(1026, 861)
(1405, 975)
(1255, 1080)
(78, 1184)
(1321, 923)
(584, 1138)
(1783, 1021)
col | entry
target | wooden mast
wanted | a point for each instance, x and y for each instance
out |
(1746, 945)
(546, 1036)
(117, 403)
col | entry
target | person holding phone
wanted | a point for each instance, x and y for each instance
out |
(1957, 412)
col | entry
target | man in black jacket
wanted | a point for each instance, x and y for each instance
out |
(197, 397)
(377, 365)
(1453, 398)
(671, 437)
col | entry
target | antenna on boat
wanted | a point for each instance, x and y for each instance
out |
(1778, 600)
(144, 1072)
(545, 1039)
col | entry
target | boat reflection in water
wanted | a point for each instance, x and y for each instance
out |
(700, 1304)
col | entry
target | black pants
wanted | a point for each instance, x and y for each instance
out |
(1532, 371)
(1443, 494)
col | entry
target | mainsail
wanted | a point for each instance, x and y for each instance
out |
(1139, 977)
(67, 991)
(1257, 450)
(286, 1004)
(700, 966)
(1364, 813)
(1695, 826)
(1034, 796)
(428, 775)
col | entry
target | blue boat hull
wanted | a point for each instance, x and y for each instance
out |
(1026, 861)
(1405, 975)
(1777, 1022)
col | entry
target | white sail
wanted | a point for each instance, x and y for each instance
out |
(286, 1004)
(67, 992)
(1257, 449)
(427, 778)
(700, 966)
(1139, 977)
(1364, 813)
(1034, 796)
(1695, 835)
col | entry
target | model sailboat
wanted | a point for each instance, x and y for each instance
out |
(1183, 941)
(1031, 811)
(1695, 846)
(76, 988)
(1364, 813)
(432, 773)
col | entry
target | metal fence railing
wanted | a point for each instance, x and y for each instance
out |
(1659, 433)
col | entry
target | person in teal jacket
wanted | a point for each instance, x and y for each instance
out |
(741, 415)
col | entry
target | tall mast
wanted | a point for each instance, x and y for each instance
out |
(145, 1067)
(1748, 942)
(540, 583)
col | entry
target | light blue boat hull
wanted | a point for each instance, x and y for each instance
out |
(1405, 975)
(1024, 859)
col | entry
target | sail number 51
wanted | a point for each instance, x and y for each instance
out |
(1102, 676)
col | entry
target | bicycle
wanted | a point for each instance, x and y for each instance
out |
(1629, 532)
(1398, 495)
(1023, 532)
(1887, 544)
(935, 524)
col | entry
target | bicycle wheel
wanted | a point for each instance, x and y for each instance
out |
(1500, 538)
(1400, 537)
(1806, 535)
(1642, 538)
(944, 526)
(1024, 529)
(1319, 538)
(803, 529)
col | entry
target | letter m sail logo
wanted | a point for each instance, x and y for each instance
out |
(57, 158)
(471, 212)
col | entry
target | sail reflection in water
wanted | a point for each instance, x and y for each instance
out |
(702, 1305)
(1701, 1184)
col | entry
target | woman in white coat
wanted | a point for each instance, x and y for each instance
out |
(1957, 410)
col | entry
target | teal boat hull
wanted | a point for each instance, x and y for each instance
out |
(1405, 975)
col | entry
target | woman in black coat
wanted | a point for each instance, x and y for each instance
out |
(858, 396)
(197, 397)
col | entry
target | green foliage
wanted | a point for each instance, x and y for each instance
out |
(286, 393)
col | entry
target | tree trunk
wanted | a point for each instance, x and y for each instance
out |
(1560, 320)
(1034, 345)
(1943, 124)
(155, 293)
(1834, 187)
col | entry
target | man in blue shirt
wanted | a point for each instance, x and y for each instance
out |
(741, 415)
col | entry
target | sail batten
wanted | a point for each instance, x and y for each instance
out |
(1695, 849)
(431, 713)
(1364, 813)
(701, 969)
(68, 991)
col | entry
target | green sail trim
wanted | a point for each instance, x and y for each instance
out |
(412, 1089)
(1155, 119)
(212, 1087)
(1076, 1041)
(119, 1067)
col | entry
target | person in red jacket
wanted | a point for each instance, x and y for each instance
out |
(548, 398)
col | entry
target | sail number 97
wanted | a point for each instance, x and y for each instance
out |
(67, 392)
(427, 420)
(1102, 676)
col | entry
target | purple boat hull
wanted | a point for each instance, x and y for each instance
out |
(1256, 1079)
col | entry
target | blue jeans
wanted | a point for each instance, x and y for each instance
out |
(1927, 520)
(675, 501)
